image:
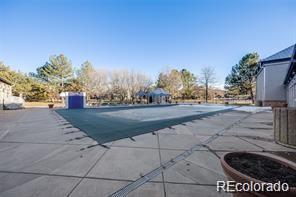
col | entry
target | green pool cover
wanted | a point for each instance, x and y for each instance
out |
(103, 128)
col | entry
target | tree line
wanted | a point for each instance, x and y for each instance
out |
(242, 79)
(58, 75)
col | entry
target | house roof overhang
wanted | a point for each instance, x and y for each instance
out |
(279, 57)
(263, 64)
(286, 55)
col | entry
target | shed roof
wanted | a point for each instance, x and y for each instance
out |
(5, 81)
(141, 93)
(159, 91)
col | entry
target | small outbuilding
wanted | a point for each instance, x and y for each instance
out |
(158, 95)
(75, 100)
(142, 96)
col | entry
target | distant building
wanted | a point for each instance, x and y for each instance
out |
(5, 91)
(7, 101)
(276, 81)
(158, 95)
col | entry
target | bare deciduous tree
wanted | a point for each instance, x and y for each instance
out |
(138, 82)
(125, 84)
(99, 82)
(119, 84)
(207, 78)
(171, 81)
(94, 81)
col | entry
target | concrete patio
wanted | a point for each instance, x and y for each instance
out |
(43, 155)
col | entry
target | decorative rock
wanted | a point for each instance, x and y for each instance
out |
(13, 102)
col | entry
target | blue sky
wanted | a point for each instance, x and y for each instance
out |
(143, 35)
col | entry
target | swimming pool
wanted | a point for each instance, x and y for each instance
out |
(113, 123)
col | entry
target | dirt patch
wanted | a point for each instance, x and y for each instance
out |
(267, 123)
(257, 128)
(257, 138)
(261, 168)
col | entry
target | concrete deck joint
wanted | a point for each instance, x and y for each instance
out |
(152, 174)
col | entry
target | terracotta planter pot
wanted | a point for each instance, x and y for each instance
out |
(50, 106)
(234, 175)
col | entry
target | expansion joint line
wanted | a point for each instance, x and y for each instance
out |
(154, 173)
(160, 160)
(86, 174)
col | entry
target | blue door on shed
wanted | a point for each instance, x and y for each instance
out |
(75, 102)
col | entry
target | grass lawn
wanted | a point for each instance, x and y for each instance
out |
(41, 104)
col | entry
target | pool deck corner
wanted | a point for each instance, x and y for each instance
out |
(42, 154)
